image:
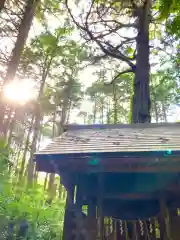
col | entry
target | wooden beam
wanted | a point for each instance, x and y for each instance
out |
(118, 160)
(121, 168)
(130, 196)
(133, 196)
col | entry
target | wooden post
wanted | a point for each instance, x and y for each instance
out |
(162, 221)
(135, 234)
(80, 221)
(100, 205)
(67, 231)
(130, 229)
(114, 230)
(138, 229)
(174, 220)
(92, 222)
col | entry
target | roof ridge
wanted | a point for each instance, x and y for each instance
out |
(70, 127)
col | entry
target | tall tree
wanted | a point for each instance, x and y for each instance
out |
(103, 22)
(12, 67)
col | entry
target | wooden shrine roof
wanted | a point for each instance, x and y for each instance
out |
(115, 138)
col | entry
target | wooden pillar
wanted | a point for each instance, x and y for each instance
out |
(174, 220)
(135, 233)
(138, 230)
(80, 220)
(92, 222)
(162, 221)
(130, 229)
(68, 223)
(100, 205)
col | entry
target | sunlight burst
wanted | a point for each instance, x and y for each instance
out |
(19, 91)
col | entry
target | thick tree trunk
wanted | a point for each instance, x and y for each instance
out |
(16, 53)
(21, 39)
(141, 98)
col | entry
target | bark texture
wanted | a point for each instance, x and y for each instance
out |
(141, 93)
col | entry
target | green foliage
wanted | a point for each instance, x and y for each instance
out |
(164, 86)
(48, 7)
(111, 100)
(170, 12)
(4, 154)
(18, 204)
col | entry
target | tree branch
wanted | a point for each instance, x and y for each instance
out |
(130, 70)
(111, 51)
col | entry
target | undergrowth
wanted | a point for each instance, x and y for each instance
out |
(24, 212)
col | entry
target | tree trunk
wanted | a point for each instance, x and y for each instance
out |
(45, 181)
(21, 39)
(141, 98)
(94, 111)
(60, 191)
(115, 103)
(69, 112)
(16, 52)
(52, 175)
(164, 112)
(12, 121)
(108, 112)
(2, 4)
(51, 187)
(25, 150)
(33, 146)
(64, 108)
(37, 115)
(102, 112)
(155, 111)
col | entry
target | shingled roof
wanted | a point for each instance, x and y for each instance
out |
(115, 138)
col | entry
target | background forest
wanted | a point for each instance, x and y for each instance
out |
(54, 71)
